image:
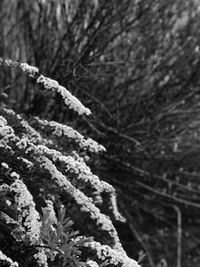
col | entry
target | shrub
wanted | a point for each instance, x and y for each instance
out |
(53, 210)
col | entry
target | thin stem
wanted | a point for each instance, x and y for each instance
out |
(179, 234)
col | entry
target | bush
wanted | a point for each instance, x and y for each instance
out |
(53, 210)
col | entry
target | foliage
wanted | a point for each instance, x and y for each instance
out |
(48, 191)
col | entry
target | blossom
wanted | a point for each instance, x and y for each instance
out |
(91, 263)
(5, 165)
(3, 121)
(19, 123)
(30, 70)
(82, 171)
(60, 130)
(6, 260)
(85, 204)
(14, 175)
(6, 134)
(26, 68)
(71, 101)
(28, 217)
(27, 162)
(9, 62)
(6, 130)
(37, 156)
(41, 257)
(114, 257)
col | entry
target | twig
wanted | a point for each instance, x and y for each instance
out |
(115, 131)
(138, 236)
(179, 234)
(163, 194)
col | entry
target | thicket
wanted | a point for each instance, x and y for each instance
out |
(135, 64)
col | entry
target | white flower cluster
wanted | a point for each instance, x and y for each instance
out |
(30, 70)
(3, 121)
(82, 171)
(9, 62)
(28, 163)
(93, 145)
(4, 260)
(28, 217)
(29, 135)
(61, 130)
(71, 101)
(115, 257)
(114, 209)
(17, 121)
(85, 204)
(5, 165)
(91, 263)
(6, 134)
(41, 258)
(32, 152)
(28, 228)
(6, 130)
(14, 175)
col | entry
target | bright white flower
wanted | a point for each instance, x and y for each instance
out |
(30, 70)
(82, 171)
(9, 62)
(3, 121)
(85, 204)
(14, 175)
(114, 256)
(6, 260)
(71, 101)
(6, 130)
(5, 165)
(41, 258)
(27, 214)
(61, 130)
(91, 263)
(28, 131)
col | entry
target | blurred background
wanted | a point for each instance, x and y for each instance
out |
(136, 65)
